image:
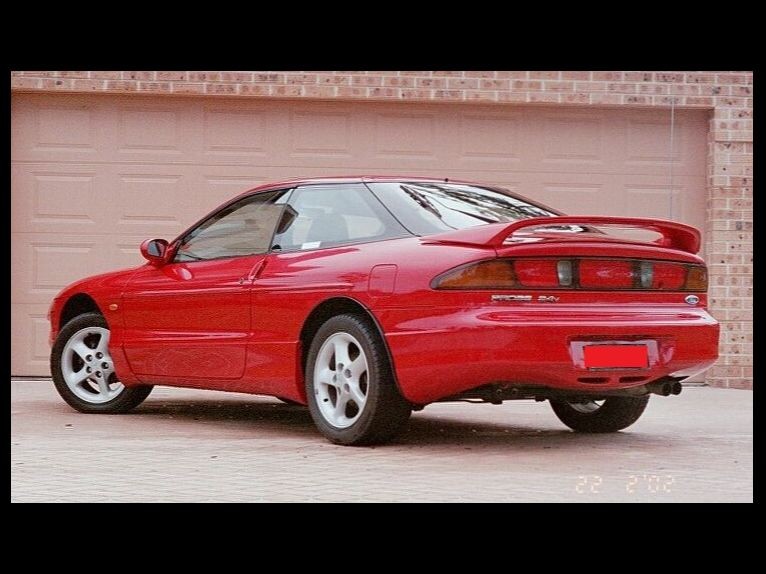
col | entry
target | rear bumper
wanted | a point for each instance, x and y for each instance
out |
(439, 352)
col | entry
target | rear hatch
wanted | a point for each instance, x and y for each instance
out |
(627, 271)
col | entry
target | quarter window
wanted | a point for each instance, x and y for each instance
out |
(326, 215)
(241, 229)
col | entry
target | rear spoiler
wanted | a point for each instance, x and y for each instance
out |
(674, 235)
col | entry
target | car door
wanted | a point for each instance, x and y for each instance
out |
(188, 321)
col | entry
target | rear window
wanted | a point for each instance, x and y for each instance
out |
(435, 207)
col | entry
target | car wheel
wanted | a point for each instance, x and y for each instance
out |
(83, 371)
(608, 415)
(350, 387)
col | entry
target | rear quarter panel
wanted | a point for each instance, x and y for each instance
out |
(377, 275)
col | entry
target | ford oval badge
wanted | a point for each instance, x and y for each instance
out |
(692, 299)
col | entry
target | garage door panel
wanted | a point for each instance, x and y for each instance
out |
(146, 199)
(220, 184)
(149, 200)
(149, 131)
(650, 197)
(648, 146)
(252, 134)
(154, 131)
(29, 343)
(237, 132)
(489, 140)
(407, 140)
(68, 128)
(55, 197)
(645, 199)
(92, 176)
(642, 142)
(126, 251)
(572, 196)
(320, 135)
(573, 141)
(73, 130)
(44, 263)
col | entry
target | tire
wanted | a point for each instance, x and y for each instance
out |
(334, 390)
(97, 390)
(614, 414)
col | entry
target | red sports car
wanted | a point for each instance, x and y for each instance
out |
(370, 297)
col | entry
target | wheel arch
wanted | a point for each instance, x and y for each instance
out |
(78, 304)
(330, 308)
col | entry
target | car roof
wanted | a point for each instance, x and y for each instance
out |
(352, 179)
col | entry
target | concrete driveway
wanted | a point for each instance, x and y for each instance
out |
(198, 446)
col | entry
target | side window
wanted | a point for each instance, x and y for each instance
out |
(243, 228)
(332, 214)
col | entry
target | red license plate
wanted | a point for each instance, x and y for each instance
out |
(616, 356)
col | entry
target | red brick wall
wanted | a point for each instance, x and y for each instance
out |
(728, 96)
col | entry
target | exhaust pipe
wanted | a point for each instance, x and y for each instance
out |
(660, 388)
(664, 388)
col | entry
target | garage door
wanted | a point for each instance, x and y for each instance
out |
(94, 175)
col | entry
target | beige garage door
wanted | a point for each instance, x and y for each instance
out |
(94, 175)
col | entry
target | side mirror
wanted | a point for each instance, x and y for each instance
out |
(154, 251)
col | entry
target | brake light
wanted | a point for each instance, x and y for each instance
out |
(668, 276)
(536, 272)
(576, 273)
(606, 274)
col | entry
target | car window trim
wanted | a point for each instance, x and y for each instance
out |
(340, 245)
(381, 202)
(178, 241)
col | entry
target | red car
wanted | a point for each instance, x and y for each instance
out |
(370, 297)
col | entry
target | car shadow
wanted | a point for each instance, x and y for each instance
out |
(264, 415)
(269, 417)
(424, 430)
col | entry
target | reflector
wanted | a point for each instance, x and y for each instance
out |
(496, 274)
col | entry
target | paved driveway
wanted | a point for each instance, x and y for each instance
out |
(184, 445)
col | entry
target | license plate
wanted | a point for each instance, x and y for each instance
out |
(616, 356)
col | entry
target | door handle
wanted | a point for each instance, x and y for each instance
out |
(256, 271)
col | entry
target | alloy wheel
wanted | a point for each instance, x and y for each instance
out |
(87, 366)
(340, 380)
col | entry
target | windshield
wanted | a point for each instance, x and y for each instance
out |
(425, 208)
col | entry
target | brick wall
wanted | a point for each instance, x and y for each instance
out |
(728, 96)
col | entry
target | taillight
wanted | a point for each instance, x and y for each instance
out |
(668, 276)
(536, 272)
(606, 274)
(696, 278)
(494, 274)
(576, 273)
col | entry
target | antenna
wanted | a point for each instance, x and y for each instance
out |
(672, 134)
